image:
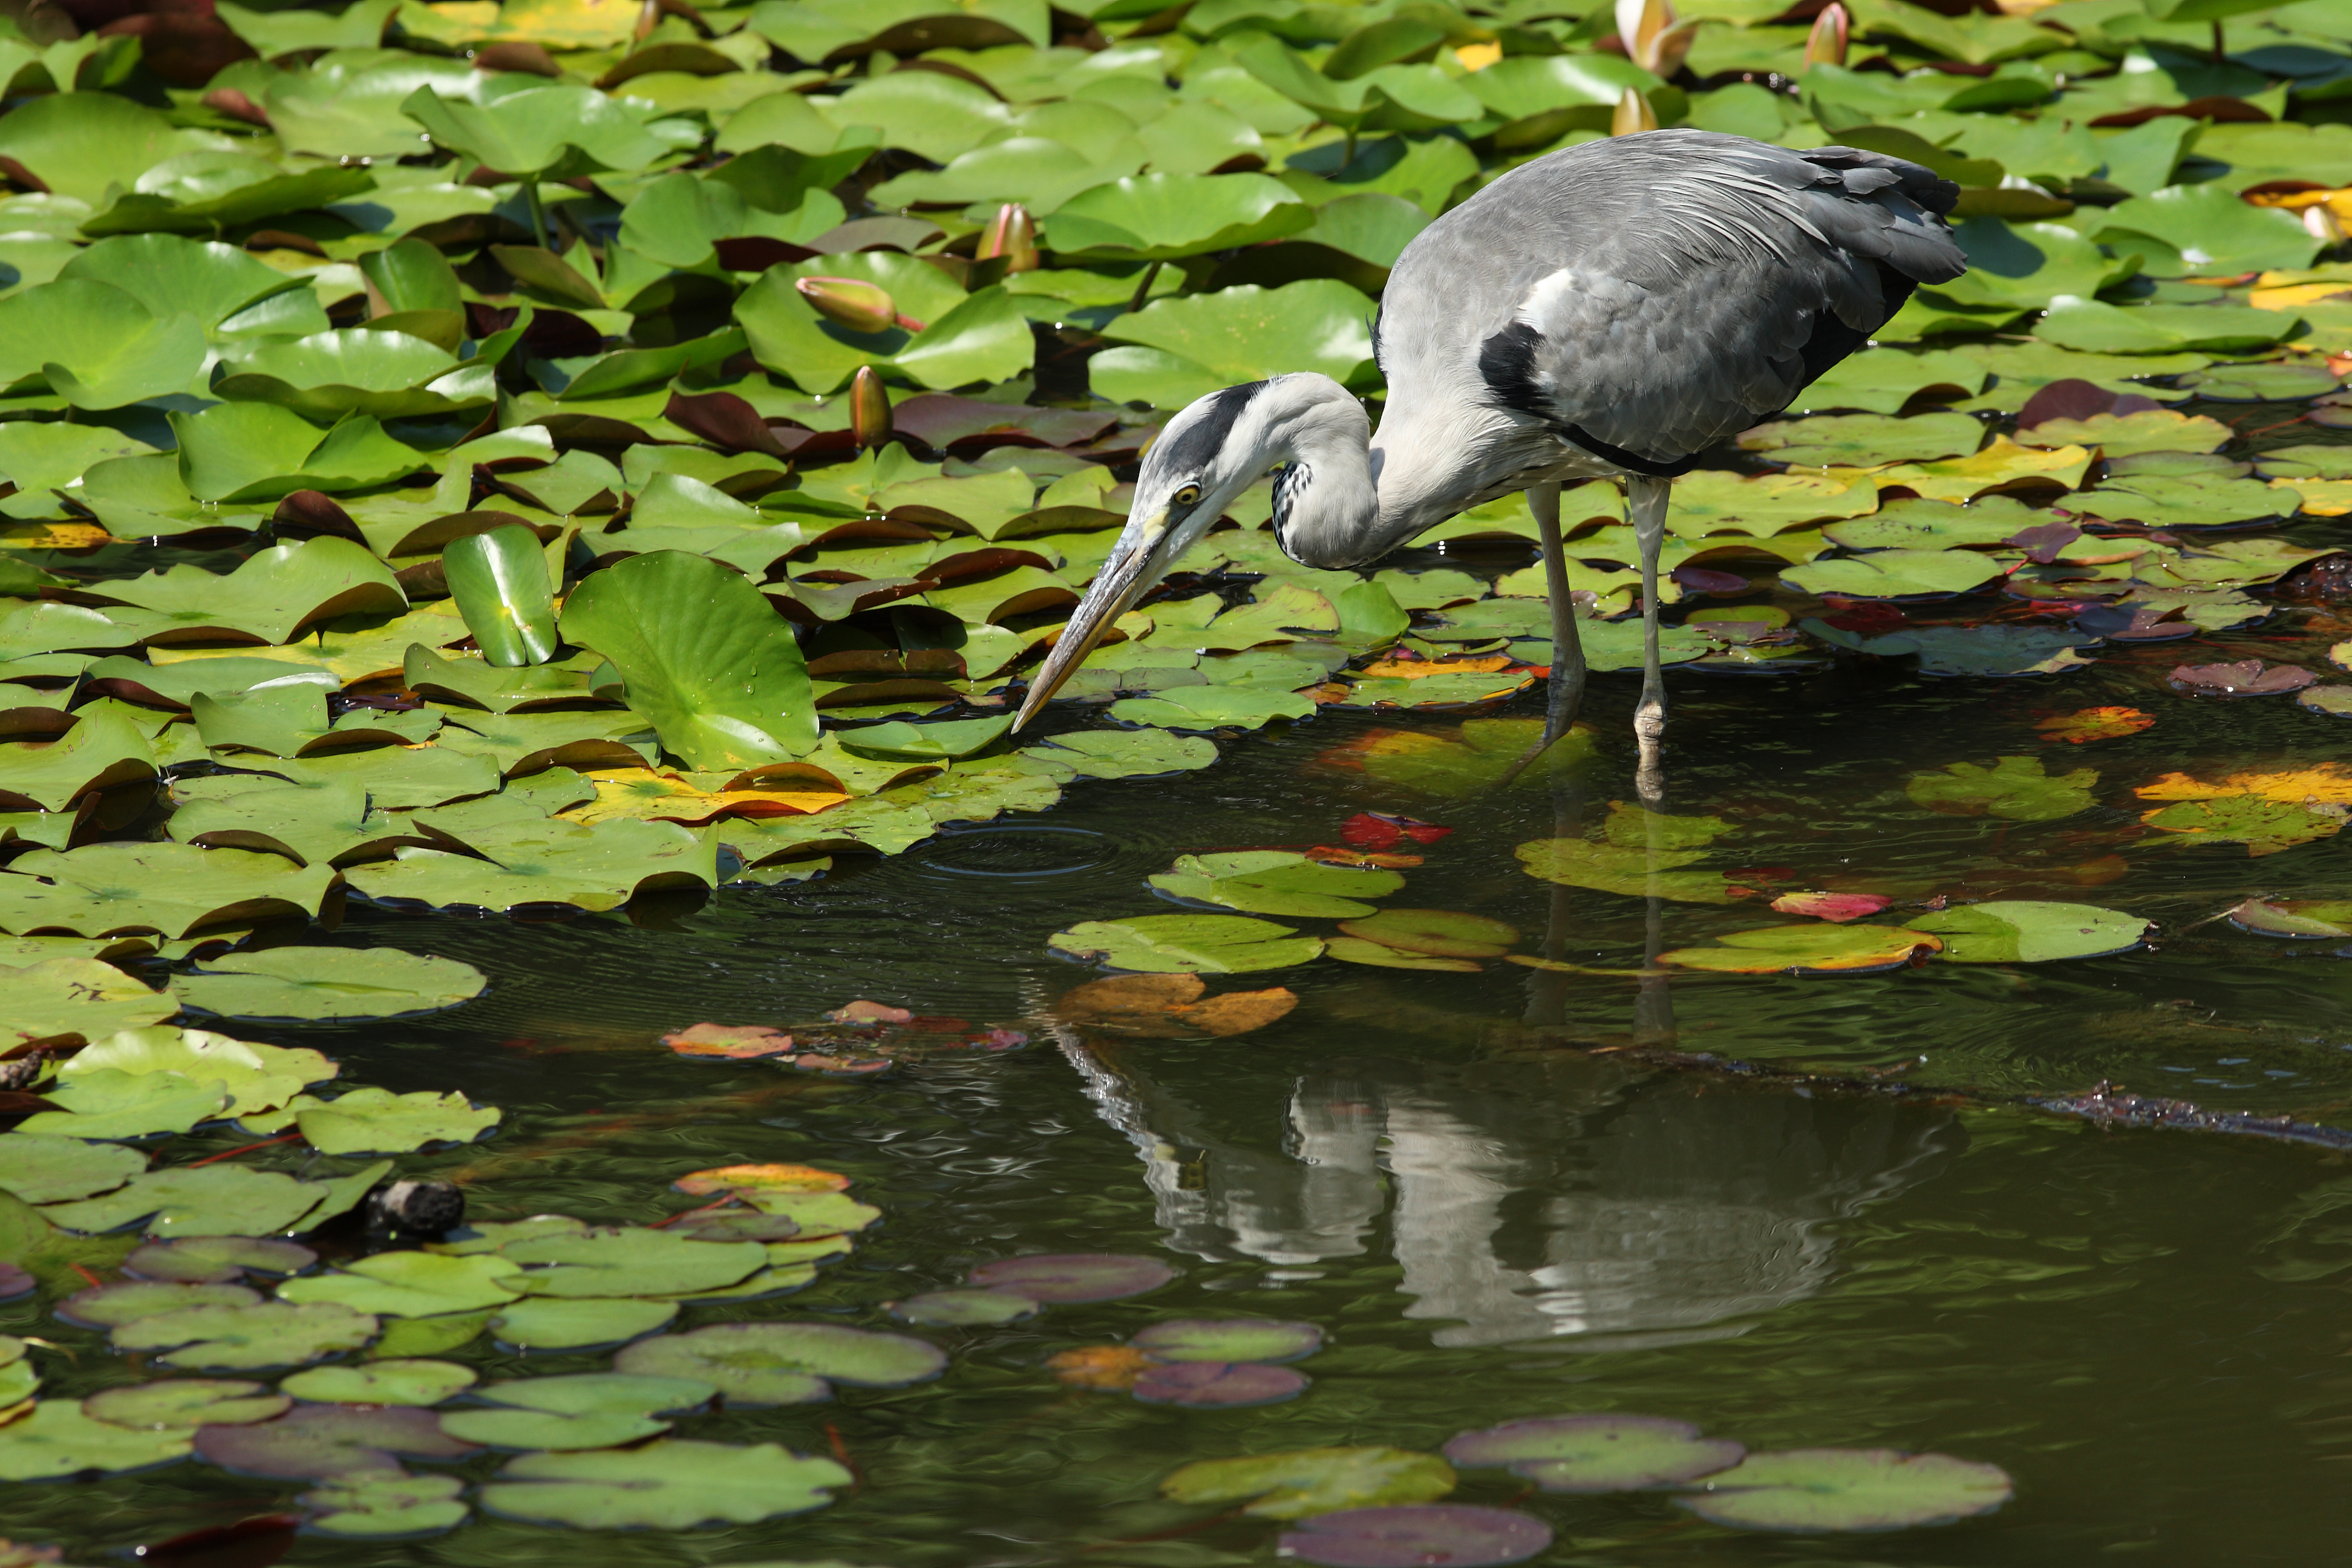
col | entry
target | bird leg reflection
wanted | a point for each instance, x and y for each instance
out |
(1645, 508)
(1654, 1002)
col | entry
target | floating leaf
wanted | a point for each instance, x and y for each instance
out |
(784, 1363)
(1808, 950)
(1169, 1006)
(320, 1440)
(2324, 919)
(1301, 1483)
(1444, 933)
(1229, 1339)
(216, 1260)
(1835, 908)
(342, 983)
(58, 1440)
(1276, 882)
(1217, 1386)
(2244, 677)
(2264, 825)
(630, 1262)
(378, 1121)
(500, 580)
(1813, 1489)
(46, 1170)
(184, 1404)
(579, 1323)
(2016, 788)
(257, 1076)
(380, 1504)
(1206, 944)
(411, 1284)
(765, 1178)
(1597, 1453)
(68, 996)
(1063, 1278)
(2027, 931)
(111, 1306)
(2094, 724)
(248, 1339)
(728, 1042)
(1403, 1537)
(394, 1382)
(210, 1199)
(669, 1484)
(963, 1308)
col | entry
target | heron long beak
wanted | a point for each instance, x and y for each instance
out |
(1133, 567)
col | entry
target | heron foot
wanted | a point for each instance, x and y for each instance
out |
(1649, 736)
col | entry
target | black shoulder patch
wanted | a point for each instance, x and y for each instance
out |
(1189, 449)
(1832, 339)
(1507, 362)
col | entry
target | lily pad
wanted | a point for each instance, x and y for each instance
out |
(58, 1440)
(1597, 1453)
(1217, 1386)
(669, 1484)
(111, 1306)
(310, 984)
(1452, 1533)
(578, 1323)
(1276, 882)
(45, 1170)
(257, 1076)
(248, 1339)
(1300, 1483)
(184, 1404)
(66, 996)
(216, 1260)
(1808, 950)
(394, 1381)
(784, 1363)
(209, 1200)
(1229, 1339)
(630, 1262)
(2030, 931)
(378, 1121)
(1811, 1489)
(384, 1504)
(2243, 678)
(963, 1308)
(2264, 826)
(411, 1284)
(1063, 1278)
(320, 1440)
(2016, 788)
(1442, 934)
(1205, 944)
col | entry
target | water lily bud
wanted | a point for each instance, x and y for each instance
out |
(1653, 37)
(1633, 113)
(1011, 235)
(1825, 45)
(870, 408)
(860, 306)
(649, 15)
(2324, 225)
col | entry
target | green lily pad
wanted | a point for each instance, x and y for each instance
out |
(103, 748)
(260, 452)
(274, 594)
(1895, 573)
(963, 1308)
(378, 1121)
(249, 1339)
(1477, 758)
(109, 1103)
(97, 346)
(208, 1200)
(1231, 1339)
(311, 984)
(784, 1363)
(535, 1429)
(1301, 1483)
(183, 1403)
(534, 130)
(384, 375)
(1819, 949)
(539, 1324)
(1276, 882)
(1204, 944)
(669, 1484)
(2032, 931)
(216, 1260)
(230, 292)
(947, 741)
(2094, 327)
(1994, 650)
(109, 1306)
(1165, 217)
(412, 1284)
(2264, 826)
(1356, 950)
(1438, 933)
(259, 1078)
(546, 861)
(1213, 707)
(1124, 753)
(1823, 440)
(2205, 231)
(381, 1504)
(47, 1170)
(631, 1262)
(394, 1382)
(600, 1394)
(81, 996)
(500, 580)
(1597, 1453)
(1812, 1490)
(2016, 788)
(58, 1440)
(1191, 346)
(1636, 872)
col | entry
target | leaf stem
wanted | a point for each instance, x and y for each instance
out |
(538, 213)
(1143, 290)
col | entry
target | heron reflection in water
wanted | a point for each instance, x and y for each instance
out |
(1569, 1199)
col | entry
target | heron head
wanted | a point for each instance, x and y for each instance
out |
(1204, 458)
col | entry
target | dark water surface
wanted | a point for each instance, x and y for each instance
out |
(2149, 1331)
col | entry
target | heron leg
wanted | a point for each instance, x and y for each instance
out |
(1568, 665)
(1645, 507)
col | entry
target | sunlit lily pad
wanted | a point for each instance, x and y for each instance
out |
(671, 1484)
(1597, 1453)
(2264, 825)
(1811, 1489)
(58, 1440)
(411, 1284)
(578, 1323)
(1465, 1537)
(1820, 949)
(2016, 788)
(184, 1404)
(249, 1339)
(328, 983)
(1062, 1278)
(109, 1103)
(784, 1363)
(2028, 932)
(44, 1170)
(394, 1382)
(1205, 944)
(1229, 1339)
(1300, 1483)
(378, 1121)
(630, 1261)
(1276, 882)
(320, 1440)
(258, 1077)
(211, 1200)
(64, 996)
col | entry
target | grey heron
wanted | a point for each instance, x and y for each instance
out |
(1612, 310)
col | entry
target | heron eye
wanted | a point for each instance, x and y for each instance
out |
(1187, 496)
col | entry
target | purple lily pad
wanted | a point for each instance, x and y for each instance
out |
(1063, 1277)
(1597, 1453)
(2042, 542)
(1425, 1535)
(15, 1282)
(112, 1306)
(1219, 1386)
(216, 1260)
(2242, 678)
(962, 1308)
(1229, 1339)
(1702, 580)
(313, 1442)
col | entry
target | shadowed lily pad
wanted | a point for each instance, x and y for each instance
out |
(2030, 931)
(1215, 1384)
(1450, 1533)
(1067, 1278)
(184, 1404)
(1807, 950)
(1441, 933)
(111, 1306)
(784, 1363)
(1597, 1453)
(1229, 1339)
(669, 1484)
(216, 1260)
(962, 1308)
(384, 1504)
(394, 1382)
(58, 1440)
(320, 1440)
(2016, 788)
(1808, 1489)
(1302, 1482)
(249, 1339)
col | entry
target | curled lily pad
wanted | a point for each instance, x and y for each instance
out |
(2032, 931)
(1811, 1489)
(541, 1323)
(328, 983)
(1597, 1453)
(1808, 950)
(1299, 1483)
(395, 1382)
(1204, 944)
(45, 1170)
(962, 1308)
(784, 1363)
(1067, 1278)
(2300, 918)
(216, 1260)
(1440, 933)
(1229, 1339)
(1451, 1534)
(184, 1404)
(1835, 908)
(384, 1504)
(320, 1440)
(1216, 1384)
(58, 1440)
(671, 1484)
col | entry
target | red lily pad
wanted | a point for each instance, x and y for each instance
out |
(1379, 830)
(1835, 908)
(1064, 1278)
(315, 1441)
(2094, 724)
(1421, 1535)
(2241, 678)
(728, 1042)
(1218, 1384)
(870, 1013)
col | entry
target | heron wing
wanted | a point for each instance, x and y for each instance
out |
(1648, 296)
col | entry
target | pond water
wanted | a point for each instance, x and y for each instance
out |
(1489, 1211)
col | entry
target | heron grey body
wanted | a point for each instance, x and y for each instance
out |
(1612, 310)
